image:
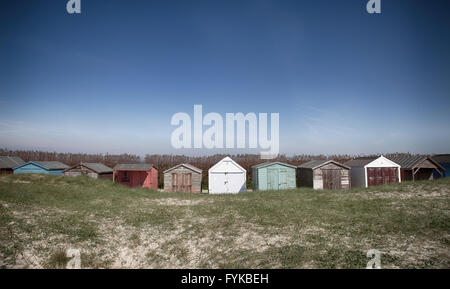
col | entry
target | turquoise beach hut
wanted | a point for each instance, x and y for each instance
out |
(273, 176)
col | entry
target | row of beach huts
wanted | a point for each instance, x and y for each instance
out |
(227, 176)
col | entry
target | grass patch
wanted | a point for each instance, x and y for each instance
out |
(115, 226)
(58, 260)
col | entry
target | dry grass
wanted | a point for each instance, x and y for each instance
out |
(117, 227)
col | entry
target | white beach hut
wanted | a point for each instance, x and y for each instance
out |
(227, 177)
(368, 172)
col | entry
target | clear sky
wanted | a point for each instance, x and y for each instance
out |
(110, 79)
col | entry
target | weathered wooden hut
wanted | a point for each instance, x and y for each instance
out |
(417, 168)
(38, 167)
(183, 178)
(324, 174)
(136, 175)
(367, 172)
(444, 161)
(92, 170)
(226, 177)
(7, 164)
(273, 176)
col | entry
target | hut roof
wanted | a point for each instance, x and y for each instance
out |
(218, 167)
(319, 163)
(272, 163)
(359, 162)
(191, 167)
(48, 165)
(7, 162)
(52, 165)
(444, 158)
(409, 162)
(96, 167)
(133, 167)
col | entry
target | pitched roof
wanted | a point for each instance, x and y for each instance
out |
(133, 167)
(195, 169)
(272, 163)
(217, 167)
(409, 162)
(359, 162)
(96, 167)
(10, 162)
(319, 163)
(443, 158)
(52, 165)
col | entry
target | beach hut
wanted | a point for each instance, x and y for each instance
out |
(92, 170)
(367, 172)
(136, 175)
(183, 178)
(226, 177)
(417, 168)
(324, 174)
(38, 167)
(444, 161)
(7, 164)
(273, 176)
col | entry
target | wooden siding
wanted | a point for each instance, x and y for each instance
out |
(421, 175)
(329, 176)
(305, 177)
(6, 171)
(380, 176)
(143, 179)
(84, 171)
(176, 180)
(273, 177)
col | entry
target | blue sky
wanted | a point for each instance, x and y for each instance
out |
(110, 79)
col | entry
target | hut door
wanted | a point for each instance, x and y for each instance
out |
(272, 179)
(181, 182)
(283, 180)
(174, 182)
(187, 183)
(331, 179)
(225, 181)
(381, 176)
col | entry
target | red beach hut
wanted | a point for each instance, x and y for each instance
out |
(136, 175)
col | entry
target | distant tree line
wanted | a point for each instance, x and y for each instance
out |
(165, 161)
(72, 158)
